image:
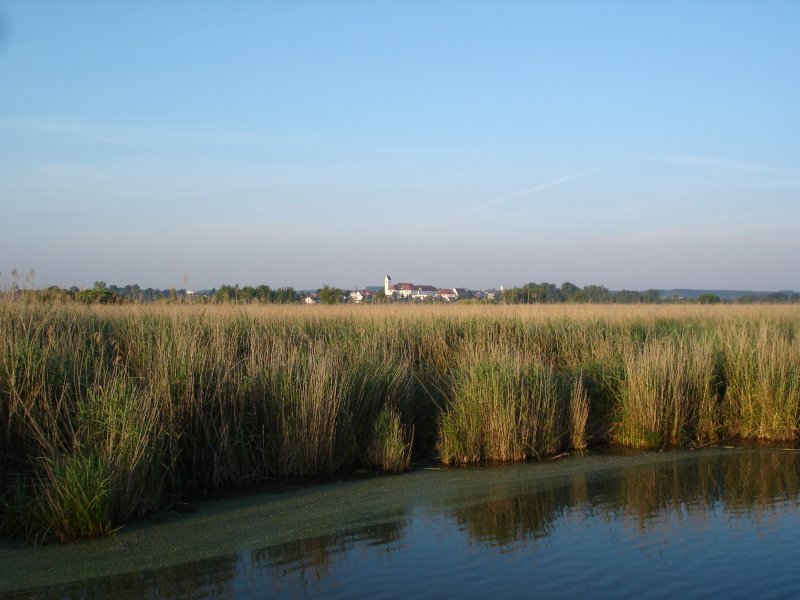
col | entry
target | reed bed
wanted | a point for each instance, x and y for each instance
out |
(110, 413)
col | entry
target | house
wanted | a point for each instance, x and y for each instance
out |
(423, 292)
(359, 296)
(397, 290)
(407, 290)
(446, 294)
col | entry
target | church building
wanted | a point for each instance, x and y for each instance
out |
(407, 290)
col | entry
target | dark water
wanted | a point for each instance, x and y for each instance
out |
(711, 523)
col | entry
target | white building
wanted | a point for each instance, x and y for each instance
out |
(359, 296)
(407, 290)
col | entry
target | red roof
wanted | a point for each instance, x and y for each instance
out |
(411, 287)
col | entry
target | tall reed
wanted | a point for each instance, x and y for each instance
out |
(579, 409)
(668, 395)
(108, 413)
(504, 405)
(763, 384)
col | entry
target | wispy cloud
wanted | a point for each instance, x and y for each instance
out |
(719, 164)
(532, 190)
(723, 164)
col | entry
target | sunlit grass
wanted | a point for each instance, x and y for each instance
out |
(160, 401)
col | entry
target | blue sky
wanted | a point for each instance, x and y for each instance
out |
(631, 144)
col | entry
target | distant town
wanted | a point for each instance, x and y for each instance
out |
(391, 292)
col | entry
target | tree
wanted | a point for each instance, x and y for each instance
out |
(597, 293)
(330, 295)
(263, 293)
(568, 290)
(627, 297)
(708, 299)
(285, 295)
(777, 298)
(97, 295)
(549, 292)
(652, 296)
(225, 293)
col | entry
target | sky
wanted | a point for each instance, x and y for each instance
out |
(631, 144)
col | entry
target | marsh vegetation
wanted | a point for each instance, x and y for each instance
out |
(112, 412)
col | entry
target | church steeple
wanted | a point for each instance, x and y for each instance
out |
(387, 286)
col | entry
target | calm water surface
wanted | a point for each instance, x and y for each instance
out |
(715, 522)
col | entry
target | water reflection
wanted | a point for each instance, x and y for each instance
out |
(308, 562)
(738, 484)
(213, 577)
(639, 496)
(507, 519)
(526, 515)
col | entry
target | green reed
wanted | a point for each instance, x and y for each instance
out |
(110, 413)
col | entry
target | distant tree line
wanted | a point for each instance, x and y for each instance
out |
(549, 293)
(262, 294)
(102, 293)
(530, 293)
(773, 298)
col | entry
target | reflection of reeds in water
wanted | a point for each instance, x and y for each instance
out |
(300, 564)
(512, 518)
(758, 481)
(646, 494)
(742, 482)
(579, 490)
(208, 578)
(639, 498)
(213, 577)
(644, 497)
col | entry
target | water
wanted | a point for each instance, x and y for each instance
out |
(715, 522)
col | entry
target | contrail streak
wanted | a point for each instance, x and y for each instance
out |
(534, 189)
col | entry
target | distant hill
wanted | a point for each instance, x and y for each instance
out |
(723, 294)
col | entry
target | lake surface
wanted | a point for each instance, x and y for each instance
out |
(720, 522)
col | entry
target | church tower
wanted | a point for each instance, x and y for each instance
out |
(387, 286)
